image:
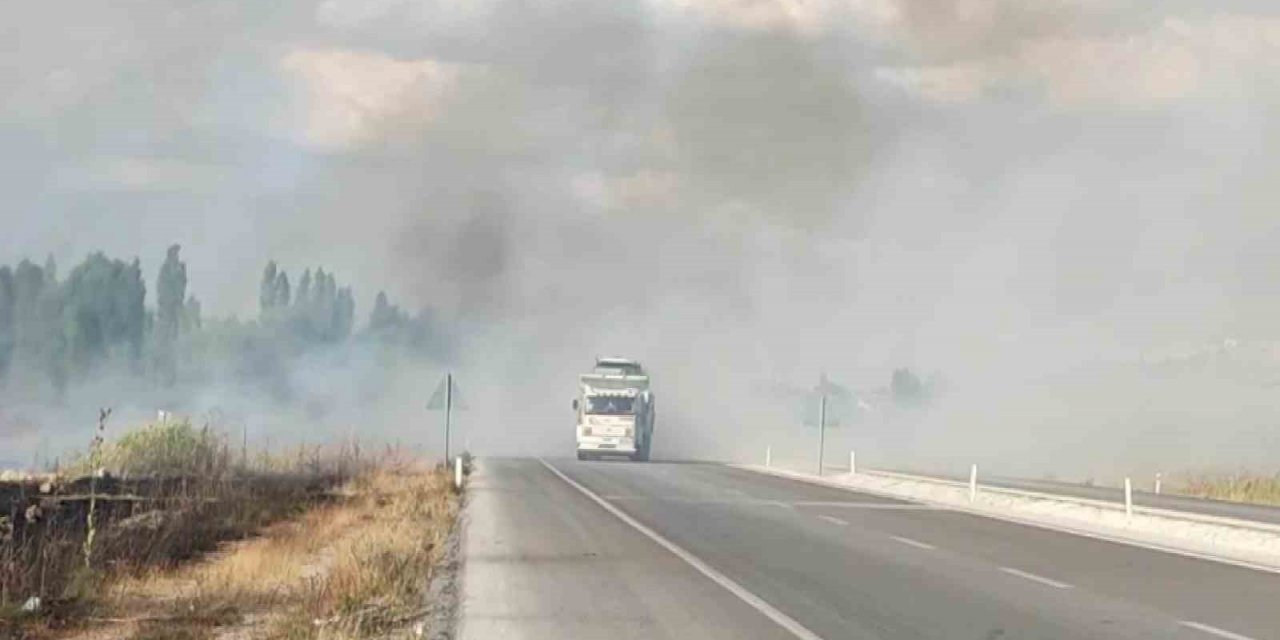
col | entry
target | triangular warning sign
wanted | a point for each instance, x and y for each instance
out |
(440, 398)
(436, 403)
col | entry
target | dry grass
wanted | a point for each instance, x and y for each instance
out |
(174, 492)
(1249, 488)
(380, 571)
(49, 559)
(354, 568)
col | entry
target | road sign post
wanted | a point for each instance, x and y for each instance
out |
(446, 398)
(836, 406)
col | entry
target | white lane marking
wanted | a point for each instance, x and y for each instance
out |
(1221, 633)
(1035, 578)
(779, 503)
(915, 543)
(836, 521)
(783, 620)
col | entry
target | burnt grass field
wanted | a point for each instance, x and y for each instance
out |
(62, 537)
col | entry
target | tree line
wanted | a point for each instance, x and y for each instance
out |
(58, 331)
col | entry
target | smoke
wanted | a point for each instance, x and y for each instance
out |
(1023, 198)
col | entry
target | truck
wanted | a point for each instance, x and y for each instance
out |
(615, 411)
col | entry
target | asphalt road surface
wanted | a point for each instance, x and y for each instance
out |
(568, 549)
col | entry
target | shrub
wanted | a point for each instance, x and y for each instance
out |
(166, 449)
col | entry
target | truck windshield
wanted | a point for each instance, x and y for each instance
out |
(610, 405)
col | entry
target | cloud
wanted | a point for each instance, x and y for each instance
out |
(642, 188)
(929, 28)
(140, 173)
(949, 83)
(1143, 70)
(1165, 63)
(1067, 53)
(353, 99)
(357, 14)
(804, 16)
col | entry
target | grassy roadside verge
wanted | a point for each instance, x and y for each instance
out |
(1248, 488)
(151, 499)
(181, 539)
(359, 567)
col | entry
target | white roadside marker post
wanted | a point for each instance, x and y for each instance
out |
(768, 456)
(457, 472)
(1158, 484)
(853, 462)
(1128, 498)
(973, 483)
(822, 425)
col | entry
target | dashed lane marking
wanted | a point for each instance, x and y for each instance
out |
(914, 543)
(1035, 578)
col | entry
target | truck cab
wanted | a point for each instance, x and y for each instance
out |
(615, 411)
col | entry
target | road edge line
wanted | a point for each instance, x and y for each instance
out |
(1027, 522)
(756, 602)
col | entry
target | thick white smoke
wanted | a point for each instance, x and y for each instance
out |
(1022, 198)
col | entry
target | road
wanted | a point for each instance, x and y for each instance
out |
(544, 559)
(1220, 508)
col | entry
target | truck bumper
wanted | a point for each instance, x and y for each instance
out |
(621, 447)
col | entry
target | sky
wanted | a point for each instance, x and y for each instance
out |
(735, 191)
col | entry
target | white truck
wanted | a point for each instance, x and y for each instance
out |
(614, 410)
